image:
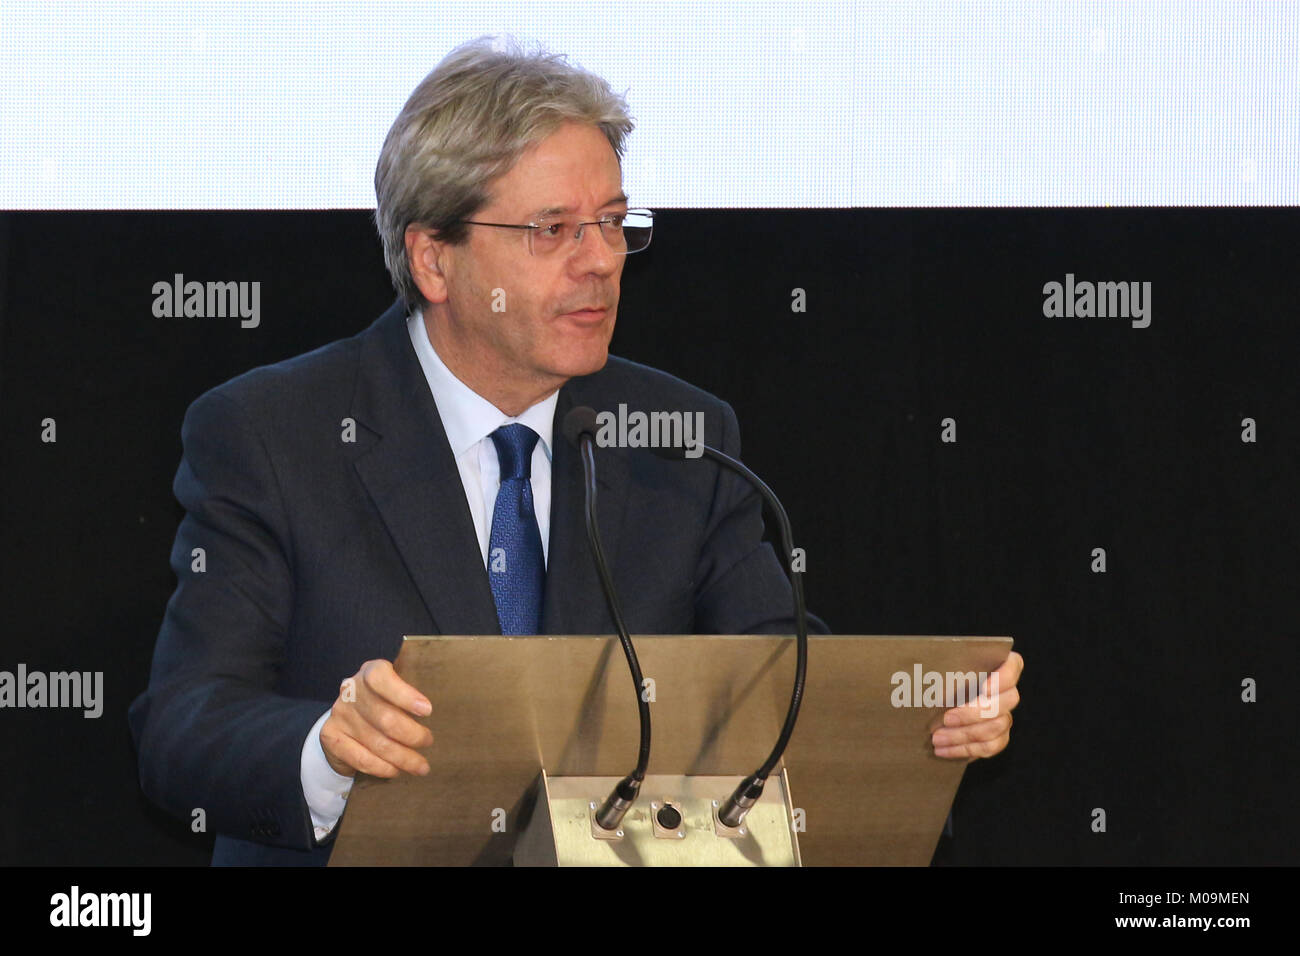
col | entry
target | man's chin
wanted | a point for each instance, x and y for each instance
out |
(588, 364)
(581, 349)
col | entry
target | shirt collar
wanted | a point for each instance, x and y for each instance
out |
(467, 416)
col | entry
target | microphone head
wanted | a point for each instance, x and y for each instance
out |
(580, 421)
(671, 452)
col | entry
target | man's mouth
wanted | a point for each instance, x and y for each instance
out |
(594, 314)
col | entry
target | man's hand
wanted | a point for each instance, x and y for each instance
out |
(982, 728)
(370, 728)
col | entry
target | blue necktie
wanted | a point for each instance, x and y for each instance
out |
(516, 566)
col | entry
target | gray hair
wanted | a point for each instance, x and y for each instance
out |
(467, 123)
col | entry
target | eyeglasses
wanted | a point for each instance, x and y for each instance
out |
(624, 232)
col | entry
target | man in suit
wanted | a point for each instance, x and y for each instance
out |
(413, 478)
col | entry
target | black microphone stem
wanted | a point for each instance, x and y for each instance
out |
(611, 812)
(732, 811)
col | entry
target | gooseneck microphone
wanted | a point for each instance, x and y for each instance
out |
(580, 429)
(732, 811)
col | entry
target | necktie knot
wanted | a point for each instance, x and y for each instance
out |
(515, 444)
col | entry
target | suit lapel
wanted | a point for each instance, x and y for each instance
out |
(413, 481)
(408, 470)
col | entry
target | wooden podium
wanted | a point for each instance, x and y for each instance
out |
(865, 787)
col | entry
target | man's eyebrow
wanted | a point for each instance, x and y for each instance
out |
(557, 210)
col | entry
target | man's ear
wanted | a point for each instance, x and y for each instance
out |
(426, 256)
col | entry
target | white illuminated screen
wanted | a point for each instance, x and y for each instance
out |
(274, 105)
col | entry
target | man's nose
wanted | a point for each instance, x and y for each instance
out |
(593, 253)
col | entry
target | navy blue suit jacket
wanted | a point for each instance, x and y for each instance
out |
(320, 554)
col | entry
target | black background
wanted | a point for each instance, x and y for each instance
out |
(1073, 433)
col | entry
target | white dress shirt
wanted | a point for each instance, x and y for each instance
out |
(469, 420)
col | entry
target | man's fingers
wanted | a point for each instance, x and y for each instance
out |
(985, 730)
(982, 728)
(1006, 676)
(370, 727)
(976, 744)
(346, 750)
(974, 749)
(347, 737)
(380, 678)
(387, 749)
(982, 709)
(392, 722)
